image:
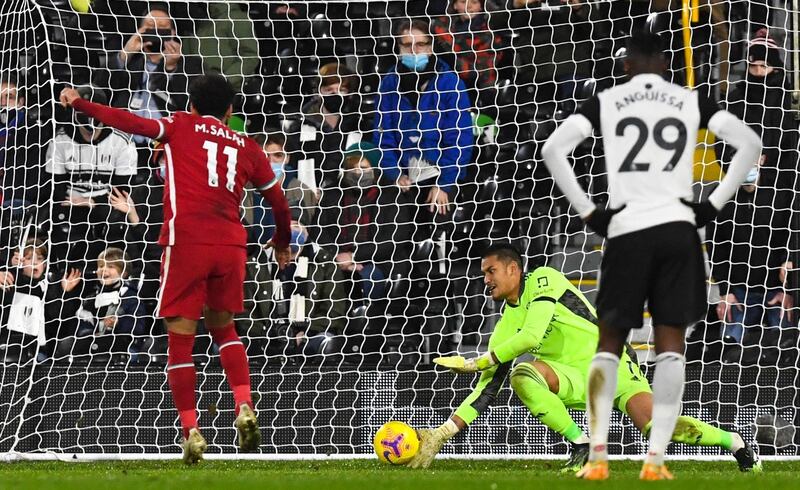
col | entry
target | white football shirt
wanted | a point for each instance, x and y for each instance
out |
(649, 128)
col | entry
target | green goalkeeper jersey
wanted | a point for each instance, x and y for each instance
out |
(553, 321)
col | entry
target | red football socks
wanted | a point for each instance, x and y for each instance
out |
(234, 361)
(182, 379)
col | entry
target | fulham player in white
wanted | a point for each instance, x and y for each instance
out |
(653, 254)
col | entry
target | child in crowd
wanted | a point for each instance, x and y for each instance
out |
(110, 317)
(23, 296)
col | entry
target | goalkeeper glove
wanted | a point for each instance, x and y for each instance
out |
(460, 365)
(431, 442)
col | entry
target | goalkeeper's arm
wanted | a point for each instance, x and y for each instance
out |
(540, 312)
(484, 394)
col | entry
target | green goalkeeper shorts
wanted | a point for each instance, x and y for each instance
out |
(572, 383)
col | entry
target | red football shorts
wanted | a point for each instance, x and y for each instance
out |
(196, 275)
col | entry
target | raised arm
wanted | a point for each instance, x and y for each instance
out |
(110, 116)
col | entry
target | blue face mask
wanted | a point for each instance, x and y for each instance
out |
(297, 241)
(416, 62)
(277, 169)
(752, 176)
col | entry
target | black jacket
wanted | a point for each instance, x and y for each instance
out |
(766, 108)
(168, 89)
(749, 241)
(389, 228)
(325, 145)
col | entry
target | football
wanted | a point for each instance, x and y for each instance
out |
(396, 442)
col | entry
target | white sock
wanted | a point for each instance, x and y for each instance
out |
(667, 396)
(736, 442)
(583, 439)
(601, 388)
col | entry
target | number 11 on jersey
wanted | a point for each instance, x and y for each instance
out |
(230, 152)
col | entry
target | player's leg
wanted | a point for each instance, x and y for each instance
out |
(180, 304)
(539, 386)
(602, 388)
(620, 307)
(676, 298)
(693, 432)
(232, 355)
(182, 379)
(226, 296)
(635, 399)
(668, 381)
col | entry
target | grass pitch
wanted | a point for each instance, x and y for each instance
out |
(367, 475)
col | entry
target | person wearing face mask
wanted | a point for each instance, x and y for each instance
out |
(750, 263)
(330, 122)
(302, 199)
(763, 100)
(12, 110)
(21, 180)
(423, 128)
(86, 161)
(364, 223)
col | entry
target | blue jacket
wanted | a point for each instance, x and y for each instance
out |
(439, 129)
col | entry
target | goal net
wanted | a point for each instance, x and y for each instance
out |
(343, 339)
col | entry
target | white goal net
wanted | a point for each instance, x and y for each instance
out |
(342, 341)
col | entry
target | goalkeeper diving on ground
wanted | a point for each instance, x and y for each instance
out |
(548, 317)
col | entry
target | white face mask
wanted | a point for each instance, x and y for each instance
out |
(7, 115)
(752, 177)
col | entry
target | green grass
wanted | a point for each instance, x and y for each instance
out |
(366, 475)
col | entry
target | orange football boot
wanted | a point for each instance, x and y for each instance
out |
(594, 470)
(653, 472)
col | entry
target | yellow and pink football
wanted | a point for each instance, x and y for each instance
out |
(396, 442)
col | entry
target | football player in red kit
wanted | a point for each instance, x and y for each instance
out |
(203, 264)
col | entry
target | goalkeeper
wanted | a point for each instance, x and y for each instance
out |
(545, 315)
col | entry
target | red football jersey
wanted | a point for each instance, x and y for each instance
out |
(208, 165)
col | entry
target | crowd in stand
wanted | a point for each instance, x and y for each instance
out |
(378, 164)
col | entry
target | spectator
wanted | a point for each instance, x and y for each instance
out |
(143, 211)
(330, 124)
(302, 199)
(20, 167)
(423, 126)
(363, 224)
(12, 118)
(748, 247)
(224, 40)
(23, 288)
(110, 317)
(557, 43)
(150, 75)
(304, 304)
(763, 101)
(86, 160)
(465, 30)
